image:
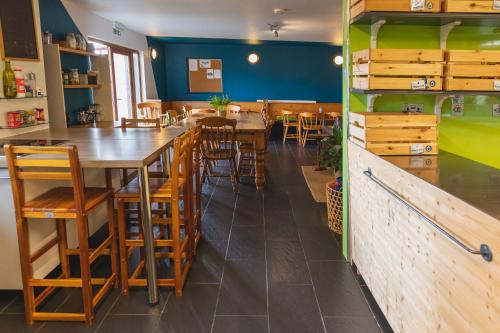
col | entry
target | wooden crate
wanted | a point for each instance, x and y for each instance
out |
(397, 69)
(468, 6)
(360, 6)
(473, 70)
(395, 133)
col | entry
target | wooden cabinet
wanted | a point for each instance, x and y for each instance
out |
(421, 280)
(470, 6)
(361, 6)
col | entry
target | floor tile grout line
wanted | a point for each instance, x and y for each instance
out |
(224, 265)
(10, 303)
(308, 268)
(245, 315)
(210, 197)
(166, 303)
(372, 310)
(106, 315)
(265, 257)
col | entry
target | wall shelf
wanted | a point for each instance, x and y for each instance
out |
(22, 99)
(82, 86)
(77, 52)
(424, 92)
(432, 19)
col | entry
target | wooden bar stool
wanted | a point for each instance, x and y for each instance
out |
(177, 241)
(289, 121)
(60, 203)
(311, 126)
(197, 187)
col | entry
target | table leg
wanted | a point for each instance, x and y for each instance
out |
(260, 152)
(147, 227)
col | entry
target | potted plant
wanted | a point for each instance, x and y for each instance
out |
(220, 103)
(331, 152)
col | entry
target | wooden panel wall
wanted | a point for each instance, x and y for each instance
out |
(422, 281)
(274, 108)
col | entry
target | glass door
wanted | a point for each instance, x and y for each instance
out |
(124, 85)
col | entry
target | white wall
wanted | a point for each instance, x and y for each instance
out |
(92, 25)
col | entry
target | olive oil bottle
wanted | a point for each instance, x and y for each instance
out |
(9, 81)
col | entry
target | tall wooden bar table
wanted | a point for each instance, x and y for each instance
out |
(113, 148)
(250, 127)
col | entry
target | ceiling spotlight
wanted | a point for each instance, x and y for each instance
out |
(275, 27)
(154, 53)
(280, 11)
(338, 60)
(253, 58)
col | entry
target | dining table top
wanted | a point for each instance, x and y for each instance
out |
(247, 122)
(107, 147)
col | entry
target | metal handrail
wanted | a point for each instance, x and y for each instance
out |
(484, 249)
(4, 177)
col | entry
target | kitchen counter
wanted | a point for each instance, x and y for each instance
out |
(469, 181)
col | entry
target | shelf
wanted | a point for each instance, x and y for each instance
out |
(433, 19)
(44, 124)
(82, 86)
(24, 98)
(77, 52)
(423, 92)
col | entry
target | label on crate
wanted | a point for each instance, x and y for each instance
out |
(417, 5)
(496, 4)
(496, 85)
(419, 84)
(417, 149)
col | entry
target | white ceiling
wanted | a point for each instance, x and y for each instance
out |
(306, 20)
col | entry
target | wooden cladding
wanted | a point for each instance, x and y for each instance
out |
(359, 7)
(472, 70)
(395, 133)
(421, 281)
(402, 69)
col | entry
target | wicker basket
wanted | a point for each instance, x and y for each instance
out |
(334, 204)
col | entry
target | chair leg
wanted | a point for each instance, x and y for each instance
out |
(234, 174)
(83, 238)
(63, 246)
(285, 133)
(304, 140)
(176, 247)
(122, 235)
(112, 233)
(26, 268)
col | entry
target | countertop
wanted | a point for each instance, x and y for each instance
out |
(472, 182)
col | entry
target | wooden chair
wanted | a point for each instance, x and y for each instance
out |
(246, 160)
(188, 110)
(197, 186)
(140, 123)
(231, 108)
(60, 203)
(311, 126)
(149, 110)
(218, 143)
(290, 121)
(175, 244)
(264, 112)
(169, 118)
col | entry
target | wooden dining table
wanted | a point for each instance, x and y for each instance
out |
(116, 148)
(250, 127)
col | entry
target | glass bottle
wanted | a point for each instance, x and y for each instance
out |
(9, 81)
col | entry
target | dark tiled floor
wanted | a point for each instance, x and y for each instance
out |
(267, 263)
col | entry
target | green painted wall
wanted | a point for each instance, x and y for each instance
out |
(476, 135)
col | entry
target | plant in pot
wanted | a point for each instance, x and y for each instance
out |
(220, 103)
(331, 152)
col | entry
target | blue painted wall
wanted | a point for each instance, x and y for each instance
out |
(286, 70)
(55, 19)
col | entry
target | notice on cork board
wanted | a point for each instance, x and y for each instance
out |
(205, 75)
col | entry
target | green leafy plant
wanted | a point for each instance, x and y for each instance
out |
(331, 152)
(220, 102)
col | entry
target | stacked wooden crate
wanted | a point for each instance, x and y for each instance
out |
(472, 70)
(398, 69)
(360, 6)
(395, 133)
(471, 6)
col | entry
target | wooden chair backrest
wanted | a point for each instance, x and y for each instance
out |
(289, 117)
(188, 110)
(44, 163)
(218, 134)
(197, 130)
(140, 123)
(231, 108)
(309, 120)
(181, 161)
(150, 110)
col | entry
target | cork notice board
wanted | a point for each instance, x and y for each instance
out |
(205, 75)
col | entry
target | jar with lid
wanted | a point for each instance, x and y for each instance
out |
(47, 37)
(71, 40)
(74, 77)
(81, 43)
